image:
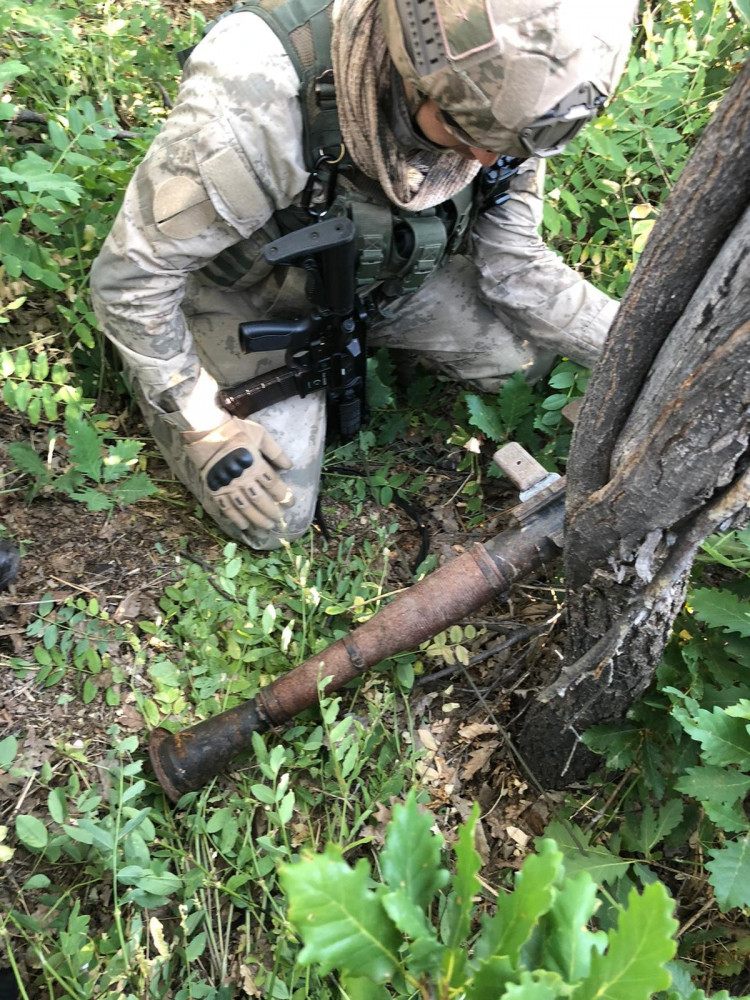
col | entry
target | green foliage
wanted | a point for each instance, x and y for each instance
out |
(730, 873)
(581, 855)
(722, 609)
(59, 192)
(100, 476)
(214, 861)
(607, 187)
(538, 943)
(530, 415)
(39, 385)
(633, 966)
(692, 735)
(345, 924)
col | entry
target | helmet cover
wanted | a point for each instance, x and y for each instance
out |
(499, 68)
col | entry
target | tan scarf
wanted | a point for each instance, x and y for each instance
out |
(361, 68)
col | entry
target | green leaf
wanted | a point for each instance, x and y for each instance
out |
(518, 913)
(95, 500)
(410, 859)
(8, 751)
(11, 69)
(720, 785)
(37, 882)
(45, 223)
(84, 448)
(31, 832)
(34, 411)
(23, 363)
(26, 460)
(721, 609)
(57, 134)
(364, 989)
(160, 885)
(643, 833)
(537, 986)
(617, 742)
(723, 739)
(489, 979)
(379, 392)
(563, 379)
(582, 856)
(341, 921)
(133, 489)
(730, 873)
(555, 402)
(485, 418)
(406, 915)
(465, 881)
(196, 947)
(80, 834)
(516, 401)
(23, 396)
(264, 794)
(121, 458)
(729, 818)
(57, 805)
(743, 9)
(563, 942)
(633, 966)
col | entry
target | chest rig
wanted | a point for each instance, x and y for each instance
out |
(397, 250)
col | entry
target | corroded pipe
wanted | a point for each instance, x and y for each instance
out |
(187, 760)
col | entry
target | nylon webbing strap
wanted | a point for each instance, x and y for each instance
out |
(463, 203)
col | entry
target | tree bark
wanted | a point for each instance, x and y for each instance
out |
(661, 450)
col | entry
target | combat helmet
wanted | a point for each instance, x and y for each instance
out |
(518, 77)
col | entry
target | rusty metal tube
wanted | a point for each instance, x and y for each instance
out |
(187, 760)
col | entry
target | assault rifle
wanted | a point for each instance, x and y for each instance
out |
(324, 350)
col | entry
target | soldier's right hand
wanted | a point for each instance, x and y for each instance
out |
(236, 463)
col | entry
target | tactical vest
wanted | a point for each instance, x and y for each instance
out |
(398, 249)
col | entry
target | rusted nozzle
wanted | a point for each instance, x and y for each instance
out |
(185, 761)
(188, 760)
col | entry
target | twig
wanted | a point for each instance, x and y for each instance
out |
(513, 640)
(601, 813)
(74, 586)
(22, 796)
(25, 117)
(696, 917)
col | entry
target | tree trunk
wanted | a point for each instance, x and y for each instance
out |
(661, 451)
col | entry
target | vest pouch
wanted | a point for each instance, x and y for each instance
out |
(418, 248)
(374, 226)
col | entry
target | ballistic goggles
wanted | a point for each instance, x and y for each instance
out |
(551, 132)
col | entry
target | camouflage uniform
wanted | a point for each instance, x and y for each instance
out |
(212, 180)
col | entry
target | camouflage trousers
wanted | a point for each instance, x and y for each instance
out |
(446, 326)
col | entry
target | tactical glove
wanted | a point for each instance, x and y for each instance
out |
(233, 462)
